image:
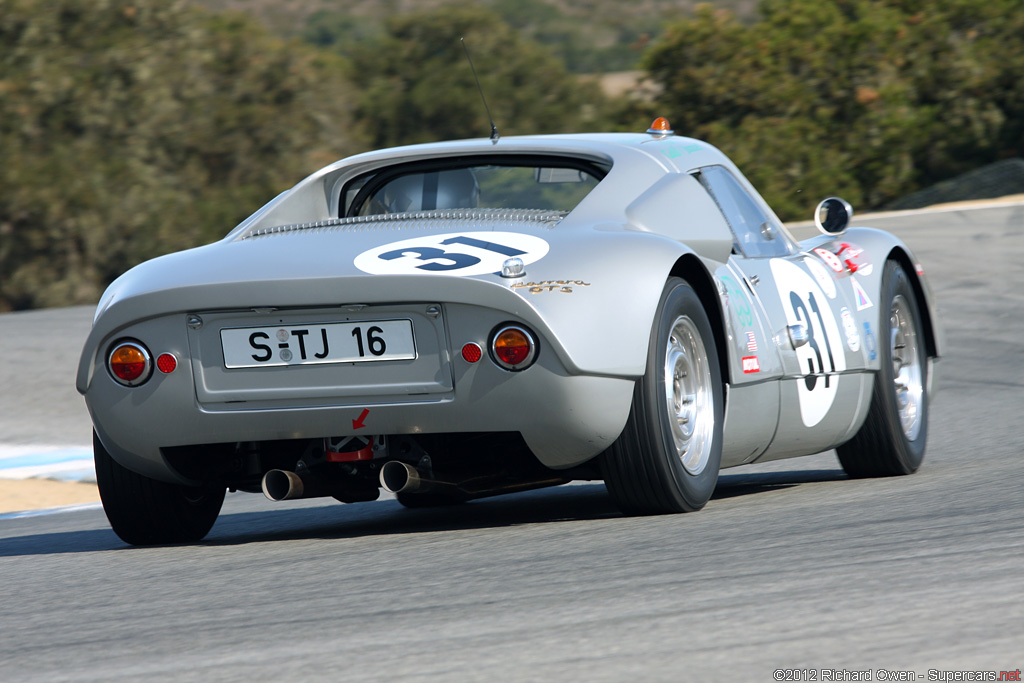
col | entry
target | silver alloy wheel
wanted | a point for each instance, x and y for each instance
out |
(906, 366)
(688, 393)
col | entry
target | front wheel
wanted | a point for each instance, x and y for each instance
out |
(892, 439)
(668, 456)
(144, 511)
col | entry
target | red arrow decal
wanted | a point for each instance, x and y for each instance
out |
(358, 424)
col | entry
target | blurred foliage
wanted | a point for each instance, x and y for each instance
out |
(870, 99)
(416, 84)
(131, 128)
(586, 40)
(342, 31)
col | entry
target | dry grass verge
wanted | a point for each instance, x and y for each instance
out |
(17, 495)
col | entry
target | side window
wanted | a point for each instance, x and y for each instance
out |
(757, 235)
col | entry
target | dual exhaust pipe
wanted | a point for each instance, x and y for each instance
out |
(395, 477)
(398, 477)
(281, 485)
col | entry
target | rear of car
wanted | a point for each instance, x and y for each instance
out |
(298, 358)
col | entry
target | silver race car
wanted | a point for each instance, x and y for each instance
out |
(464, 319)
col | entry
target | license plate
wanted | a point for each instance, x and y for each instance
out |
(348, 342)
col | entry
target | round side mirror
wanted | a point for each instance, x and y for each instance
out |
(833, 216)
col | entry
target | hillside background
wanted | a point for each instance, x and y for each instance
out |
(131, 128)
(589, 36)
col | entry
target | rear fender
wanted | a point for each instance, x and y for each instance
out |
(602, 319)
(698, 275)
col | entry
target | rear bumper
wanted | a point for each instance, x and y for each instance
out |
(564, 419)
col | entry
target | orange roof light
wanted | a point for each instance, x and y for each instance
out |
(661, 126)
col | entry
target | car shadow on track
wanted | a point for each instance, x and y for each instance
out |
(579, 502)
(59, 542)
(743, 483)
(322, 519)
(388, 517)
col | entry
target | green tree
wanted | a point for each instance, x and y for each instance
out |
(869, 98)
(131, 128)
(588, 39)
(415, 85)
(341, 30)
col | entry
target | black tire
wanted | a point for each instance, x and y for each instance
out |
(649, 470)
(144, 511)
(892, 438)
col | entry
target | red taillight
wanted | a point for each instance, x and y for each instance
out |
(166, 363)
(472, 352)
(514, 348)
(129, 363)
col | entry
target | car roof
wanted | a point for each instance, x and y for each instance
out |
(672, 152)
(635, 160)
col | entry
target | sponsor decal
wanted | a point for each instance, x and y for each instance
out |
(870, 344)
(850, 327)
(751, 342)
(462, 254)
(822, 358)
(828, 285)
(860, 296)
(750, 365)
(563, 286)
(736, 302)
(853, 258)
(675, 151)
(830, 259)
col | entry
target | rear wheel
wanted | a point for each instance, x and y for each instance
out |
(668, 455)
(144, 511)
(893, 436)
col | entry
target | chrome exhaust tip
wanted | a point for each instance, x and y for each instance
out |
(281, 485)
(398, 477)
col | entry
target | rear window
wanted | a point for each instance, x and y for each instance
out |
(506, 182)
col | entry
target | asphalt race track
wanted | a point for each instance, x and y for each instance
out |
(791, 566)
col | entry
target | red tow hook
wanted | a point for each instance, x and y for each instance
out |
(348, 448)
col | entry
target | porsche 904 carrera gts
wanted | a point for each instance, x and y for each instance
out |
(456, 320)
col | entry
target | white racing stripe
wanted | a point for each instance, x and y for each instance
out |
(63, 463)
(50, 511)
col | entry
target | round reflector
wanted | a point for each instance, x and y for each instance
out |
(130, 363)
(514, 348)
(472, 352)
(166, 363)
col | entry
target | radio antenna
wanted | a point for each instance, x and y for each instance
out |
(494, 129)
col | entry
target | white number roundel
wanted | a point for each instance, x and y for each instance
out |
(823, 356)
(461, 253)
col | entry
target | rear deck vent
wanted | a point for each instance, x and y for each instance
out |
(439, 219)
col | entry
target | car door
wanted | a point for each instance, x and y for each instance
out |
(807, 305)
